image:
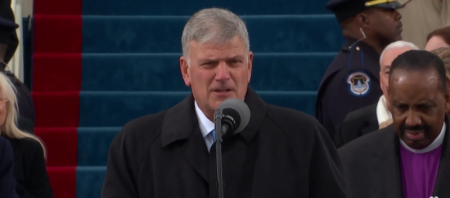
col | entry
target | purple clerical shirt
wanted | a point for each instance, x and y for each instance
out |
(419, 172)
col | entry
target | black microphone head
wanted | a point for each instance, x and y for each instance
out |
(238, 110)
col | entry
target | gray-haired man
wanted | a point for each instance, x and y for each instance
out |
(281, 152)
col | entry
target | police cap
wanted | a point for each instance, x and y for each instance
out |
(345, 9)
(6, 27)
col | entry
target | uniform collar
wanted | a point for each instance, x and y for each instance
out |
(354, 45)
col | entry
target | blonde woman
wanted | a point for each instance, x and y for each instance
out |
(29, 152)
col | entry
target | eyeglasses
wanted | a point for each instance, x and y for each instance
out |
(3, 101)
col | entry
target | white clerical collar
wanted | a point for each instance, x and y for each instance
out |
(204, 123)
(436, 143)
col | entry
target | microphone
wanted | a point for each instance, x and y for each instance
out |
(349, 48)
(234, 116)
(230, 118)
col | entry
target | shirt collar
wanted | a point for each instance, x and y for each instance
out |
(204, 123)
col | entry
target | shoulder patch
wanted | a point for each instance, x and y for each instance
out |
(358, 83)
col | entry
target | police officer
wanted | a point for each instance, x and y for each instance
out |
(352, 80)
(24, 100)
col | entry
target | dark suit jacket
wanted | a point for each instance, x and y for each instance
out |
(371, 166)
(7, 181)
(357, 124)
(30, 169)
(25, 125)
(281, 153)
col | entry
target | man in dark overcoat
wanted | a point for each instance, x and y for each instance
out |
(280, 153)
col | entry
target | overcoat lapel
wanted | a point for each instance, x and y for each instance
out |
(386, 167)
(441, 186)
(181, 124)
(372, 124)
(196, 153)
(239, 154)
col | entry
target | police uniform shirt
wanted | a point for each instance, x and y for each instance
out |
(351, 82)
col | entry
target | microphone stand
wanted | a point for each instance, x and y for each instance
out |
(223, 124)
(218, 129)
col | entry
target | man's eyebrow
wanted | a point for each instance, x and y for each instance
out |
(216, 59)
(237, 57)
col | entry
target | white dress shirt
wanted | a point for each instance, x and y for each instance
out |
(206, 126)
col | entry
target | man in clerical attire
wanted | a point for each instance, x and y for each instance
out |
(377, 115)
(411, 157)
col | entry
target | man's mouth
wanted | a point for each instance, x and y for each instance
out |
(400, 27)
(222, 90)
(415, 135)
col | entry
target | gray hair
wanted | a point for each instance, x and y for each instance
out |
(398, 44)
(213, 25)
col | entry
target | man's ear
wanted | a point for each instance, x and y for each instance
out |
(184, 67)
(447, 102)
(363, 20)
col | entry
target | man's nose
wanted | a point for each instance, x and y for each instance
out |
(398, 16)
(413, 120)
(222, 72)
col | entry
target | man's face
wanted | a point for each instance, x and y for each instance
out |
(217, 72)
(418, 106)
(385, 24)
(385, 67)
(436, 42)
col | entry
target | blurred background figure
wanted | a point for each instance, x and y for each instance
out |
(8, 46)
(439, 38)
(7, 36)
(420, 17)
(444, 55)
